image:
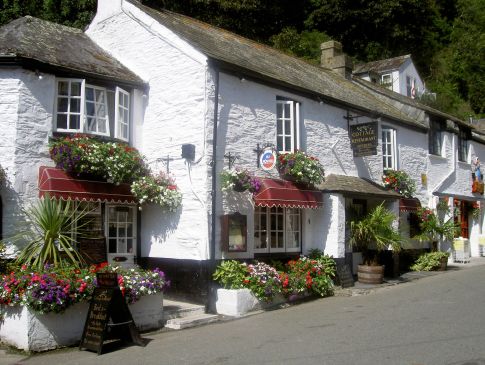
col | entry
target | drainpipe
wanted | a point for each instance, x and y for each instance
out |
(212, 248)
(210, 306)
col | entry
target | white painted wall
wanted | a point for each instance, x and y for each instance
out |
(26, 104)
(408, 69)
(174, 113)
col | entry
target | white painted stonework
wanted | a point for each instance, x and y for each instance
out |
(29, 331)
(238, 302)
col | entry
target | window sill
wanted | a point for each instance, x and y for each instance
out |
(60, 134)
(464, 163)
(437, 157)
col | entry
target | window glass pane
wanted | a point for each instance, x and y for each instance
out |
(75, 88)
(279, 143)
(75, 105)
(63, 88)
(62, 104)
(279, 110)
(129, 245)
(89, 94)
(62, 121)
(280, 240)
(287, 111)
(91, 124)
(279, 127)
(112, 246)
(74, 122)
(287, 127)
(287, 143)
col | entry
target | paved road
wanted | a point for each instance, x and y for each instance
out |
(436, 320)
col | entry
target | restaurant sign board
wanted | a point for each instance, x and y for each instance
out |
(363, 139)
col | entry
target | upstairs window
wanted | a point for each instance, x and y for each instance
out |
(287, 125)
(389, 149)
(85, 108)
(386, 81)
(435, 144)
(463, 137)
(411, 87)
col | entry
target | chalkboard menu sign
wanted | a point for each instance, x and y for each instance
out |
(363, 139)
(108, 304)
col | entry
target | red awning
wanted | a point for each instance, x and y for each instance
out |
(409, 204)
(59, 184)
(281, 193)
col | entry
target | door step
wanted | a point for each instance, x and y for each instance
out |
(178, 315)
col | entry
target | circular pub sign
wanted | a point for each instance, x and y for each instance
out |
(267, 159)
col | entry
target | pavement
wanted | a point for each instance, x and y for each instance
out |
(9, 356)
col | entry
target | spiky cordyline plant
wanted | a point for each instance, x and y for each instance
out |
(49, 238)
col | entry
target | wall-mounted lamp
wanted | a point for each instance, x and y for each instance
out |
(39, 75)
(320, 100)
(242, 79)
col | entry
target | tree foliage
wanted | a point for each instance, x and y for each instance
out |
(445, 37)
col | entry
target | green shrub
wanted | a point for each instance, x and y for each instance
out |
(429, 261)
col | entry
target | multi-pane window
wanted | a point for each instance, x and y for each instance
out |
(389, 149)
(410, 87)
(277, 229)
(69, 105)
(96, 110)
(463, 136)
(122, 113)
(386, 81)
(287, 125)
(121, 230)
(434, 134)
(85, 108)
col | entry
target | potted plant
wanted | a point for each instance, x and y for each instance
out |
(300, 168)
(431, 261)
(372, 234)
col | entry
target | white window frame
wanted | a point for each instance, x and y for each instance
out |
(122, 114)
(68, 112)
(285, 232)
(294, 119)
(388, 84)
(119, 110)
(133, 237)
(389, 148)
(98, 119)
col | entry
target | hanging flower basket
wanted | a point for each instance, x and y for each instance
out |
(400, 182)
(239, 181)
(300, 168)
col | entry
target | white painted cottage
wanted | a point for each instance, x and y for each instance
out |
(397, 74)
(193, 87)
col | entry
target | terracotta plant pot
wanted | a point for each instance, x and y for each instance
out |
(370, 274)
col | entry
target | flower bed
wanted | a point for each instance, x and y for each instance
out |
(41, 311)
(249, 287)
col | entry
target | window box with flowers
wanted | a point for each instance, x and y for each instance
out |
(239, 181)
(400, 182)
(46, 310)
(300, 168)
(90, 158)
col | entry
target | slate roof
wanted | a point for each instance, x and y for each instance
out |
(353, 185)
(380, 66)
(408, 101)
(269, 64)
(41, 42)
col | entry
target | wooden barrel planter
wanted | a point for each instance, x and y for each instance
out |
(370, 274)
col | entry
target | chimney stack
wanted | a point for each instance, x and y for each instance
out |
(333, 58)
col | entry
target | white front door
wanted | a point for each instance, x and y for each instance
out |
(121, 230)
